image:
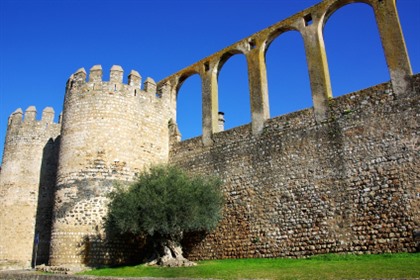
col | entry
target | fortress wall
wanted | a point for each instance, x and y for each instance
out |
(26, 186)
(110, 132)
(349, 184)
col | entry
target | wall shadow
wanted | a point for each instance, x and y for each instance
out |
(44, 211)
(112, 249)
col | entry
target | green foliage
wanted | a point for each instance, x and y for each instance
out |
(331, 266)
(166, 202)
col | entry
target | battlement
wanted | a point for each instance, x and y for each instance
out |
(29, 117)
(94, 82)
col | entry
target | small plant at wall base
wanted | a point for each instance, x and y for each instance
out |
(162, 205)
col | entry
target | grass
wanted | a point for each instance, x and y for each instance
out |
(329, 266)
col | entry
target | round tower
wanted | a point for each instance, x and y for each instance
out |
(27, 186)
(110, 132)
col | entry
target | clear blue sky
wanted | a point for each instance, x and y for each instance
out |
(42, 42)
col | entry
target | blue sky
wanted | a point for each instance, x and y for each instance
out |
(42, 42)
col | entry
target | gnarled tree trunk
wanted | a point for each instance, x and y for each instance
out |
(168, 252)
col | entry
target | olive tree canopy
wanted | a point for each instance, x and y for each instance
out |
(163, 204)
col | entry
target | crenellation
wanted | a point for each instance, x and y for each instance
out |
(79, 76)
(149, 85)
(70, 81)
(29, 119)
(30, 114)
(134, 79)
(48, 115)
(16, 117)
(95, 74)
(164, 87)
(116, 74)
(77, 83)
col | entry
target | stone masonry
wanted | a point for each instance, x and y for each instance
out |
(348, 184)
(342, 176)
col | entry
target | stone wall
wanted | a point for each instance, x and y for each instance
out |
(27, 186)
(349, 184)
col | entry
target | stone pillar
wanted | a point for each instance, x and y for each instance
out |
(257, 77)
(317, 65)
(393, 44)
(210, 105)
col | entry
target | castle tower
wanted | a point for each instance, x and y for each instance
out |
(110, 132)
(27, 186)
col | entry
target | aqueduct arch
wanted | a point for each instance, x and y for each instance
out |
(181, 79)
(282, 69)
(353, 69)
(233, 88)
(188, 99)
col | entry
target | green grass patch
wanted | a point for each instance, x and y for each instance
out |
(330, 266)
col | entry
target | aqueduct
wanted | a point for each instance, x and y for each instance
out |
(310, 24)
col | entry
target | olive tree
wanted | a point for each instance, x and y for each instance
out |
(163, 204)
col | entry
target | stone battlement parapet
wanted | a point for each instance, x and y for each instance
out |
(80, 81)
(29, 117)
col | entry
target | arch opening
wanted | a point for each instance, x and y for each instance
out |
(189, 111)
(287, 74)
(356, 59)
(234, 99)
(410, 23)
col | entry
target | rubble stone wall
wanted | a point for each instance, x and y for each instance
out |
(349, 184)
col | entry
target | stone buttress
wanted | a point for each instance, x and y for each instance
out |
(110, 132)
(27, 186)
